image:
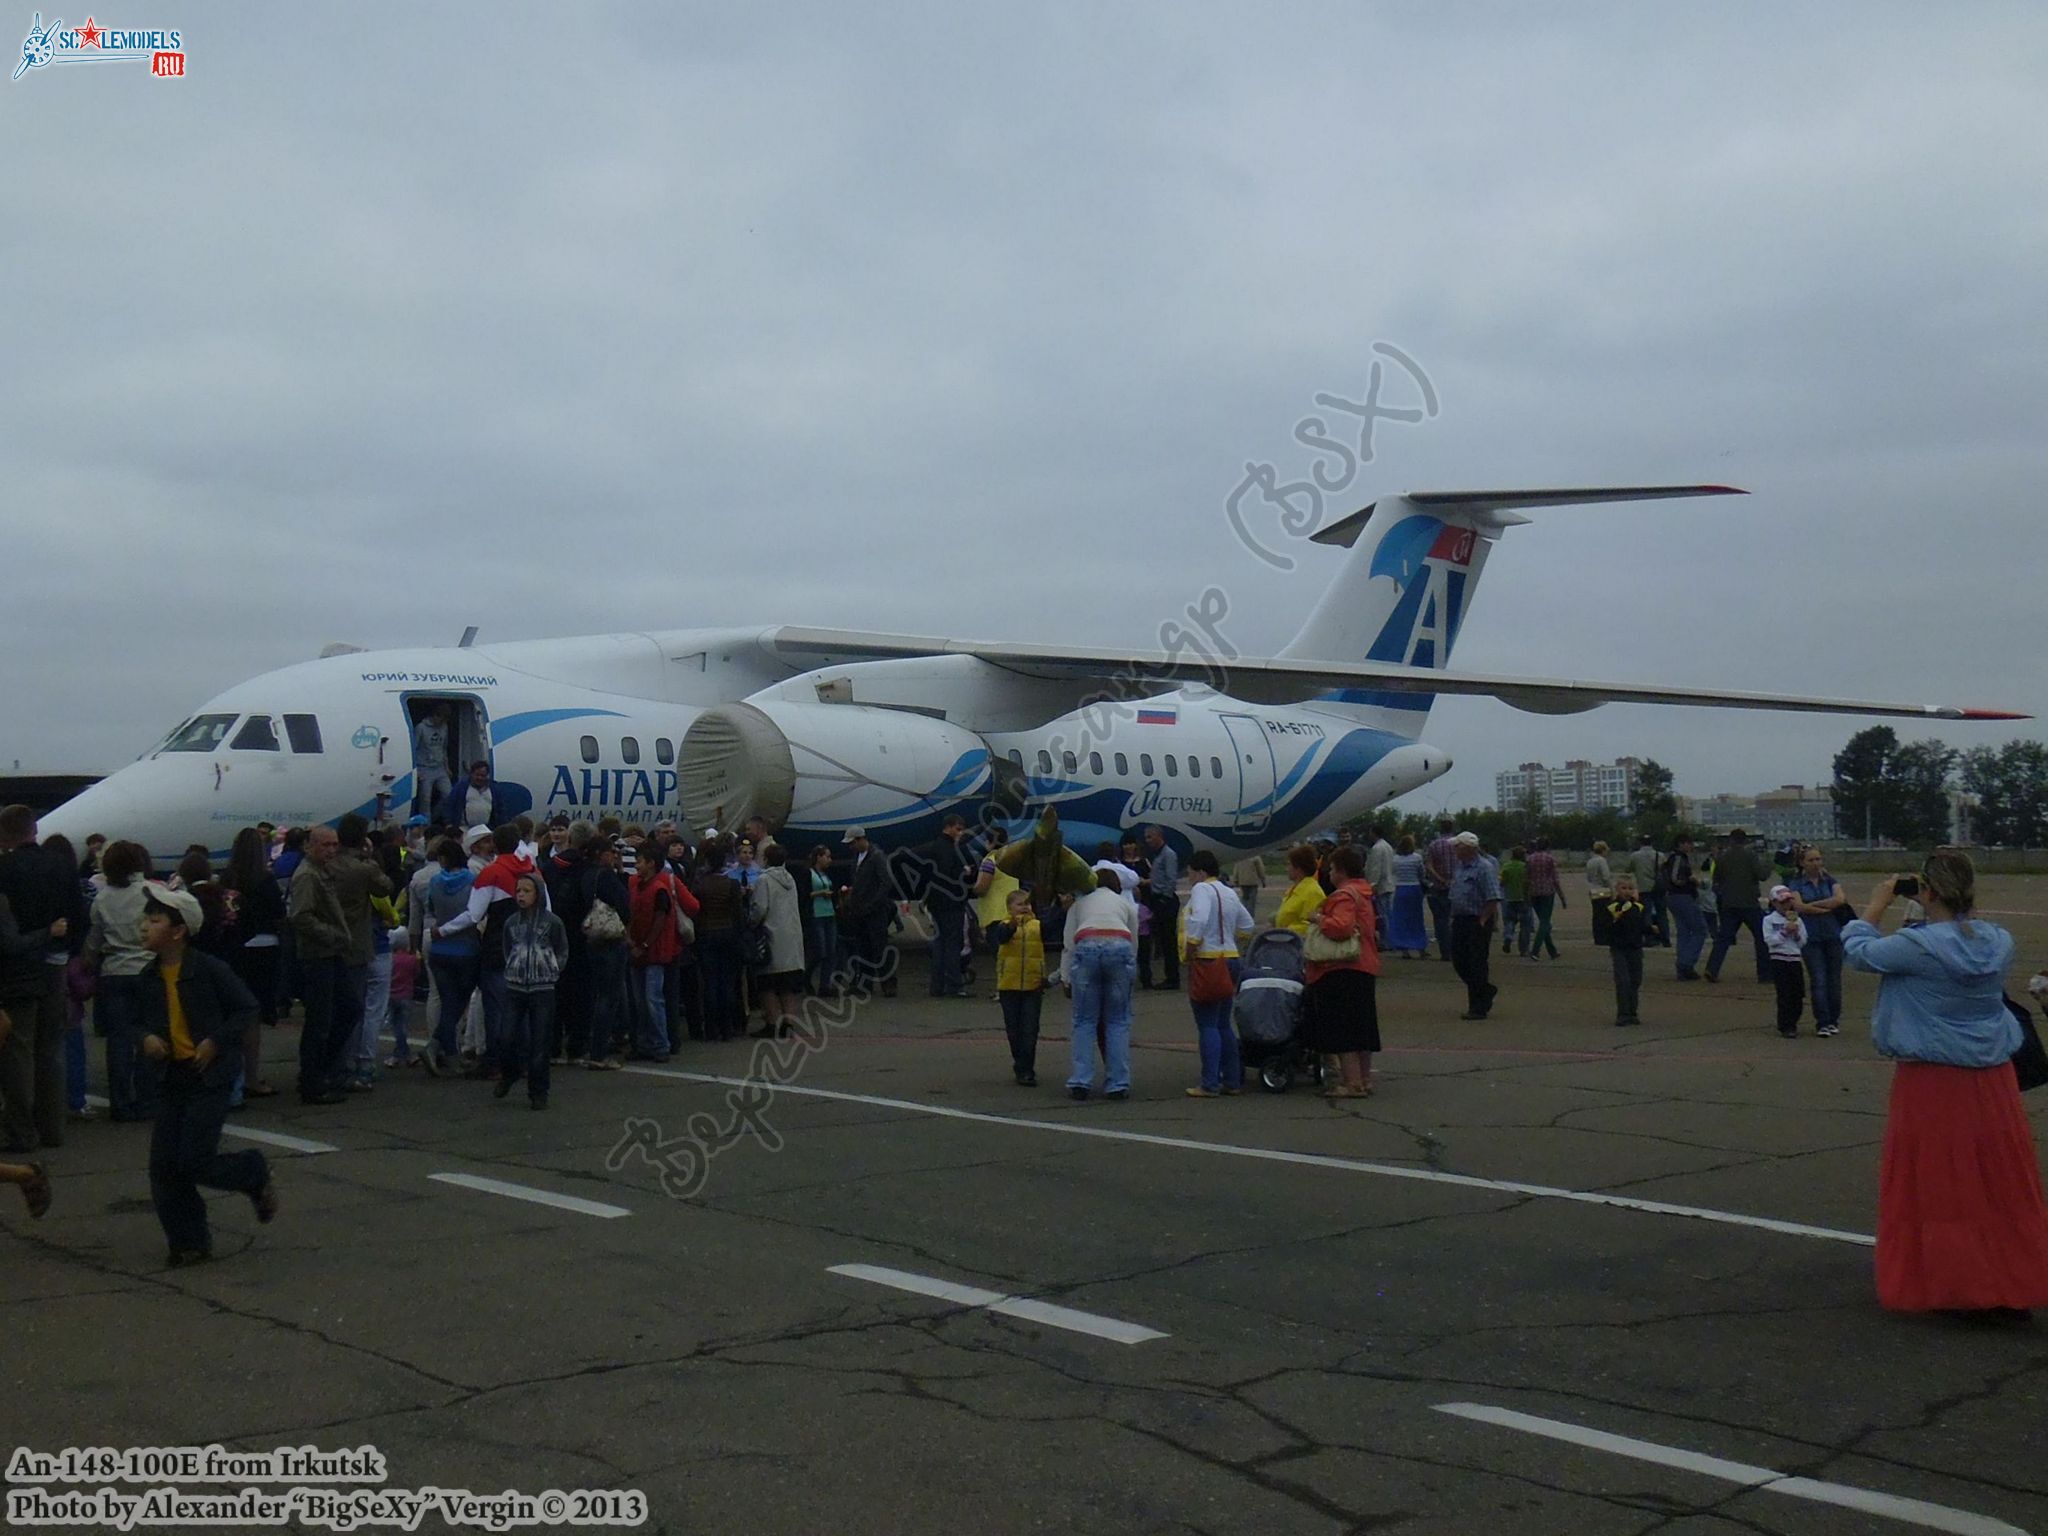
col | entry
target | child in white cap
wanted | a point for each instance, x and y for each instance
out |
(1784, 937)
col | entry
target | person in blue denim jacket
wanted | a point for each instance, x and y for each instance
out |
(1961, 1224)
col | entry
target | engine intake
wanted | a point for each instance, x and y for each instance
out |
(813, 770)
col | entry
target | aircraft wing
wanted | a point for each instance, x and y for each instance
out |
(1289, 680)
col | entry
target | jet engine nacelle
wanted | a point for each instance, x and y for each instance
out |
(813, 770)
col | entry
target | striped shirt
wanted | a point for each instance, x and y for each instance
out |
(1542, 874)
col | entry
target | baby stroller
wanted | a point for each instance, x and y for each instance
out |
(1268, 1011)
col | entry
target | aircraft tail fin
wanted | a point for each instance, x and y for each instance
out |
(1407, 579)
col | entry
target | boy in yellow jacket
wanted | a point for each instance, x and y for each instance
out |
(1019, 941)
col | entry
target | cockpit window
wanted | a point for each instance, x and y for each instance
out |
(200, 734)
(257, 734)
(304, 732)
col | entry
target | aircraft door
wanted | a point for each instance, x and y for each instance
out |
(447, 732)
(1256, 773)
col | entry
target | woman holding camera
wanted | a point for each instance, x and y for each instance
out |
(1961, 1227)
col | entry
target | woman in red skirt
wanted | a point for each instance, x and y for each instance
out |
(1961, 1227)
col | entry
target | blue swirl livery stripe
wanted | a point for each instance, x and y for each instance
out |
(1350, 760)
(1286, 785)
(965, 778)
(505, 727)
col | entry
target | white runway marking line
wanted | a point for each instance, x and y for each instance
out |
(1933, 1517)
(279, 1139)
(996, 1301)
(268, 1138)
(1304, 1159)
(527, 1192)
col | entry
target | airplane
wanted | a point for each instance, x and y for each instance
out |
(818, 731)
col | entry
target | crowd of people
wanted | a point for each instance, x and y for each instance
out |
(521, 949)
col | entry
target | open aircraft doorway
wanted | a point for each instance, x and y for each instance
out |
(458, 733)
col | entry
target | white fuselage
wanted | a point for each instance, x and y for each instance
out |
(595, 726)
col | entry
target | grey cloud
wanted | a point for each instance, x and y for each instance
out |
(564, 322)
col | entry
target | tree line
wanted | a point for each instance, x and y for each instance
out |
(1898, 791)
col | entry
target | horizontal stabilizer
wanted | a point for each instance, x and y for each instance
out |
(1344, 532)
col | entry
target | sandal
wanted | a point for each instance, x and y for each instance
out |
(260, 1091)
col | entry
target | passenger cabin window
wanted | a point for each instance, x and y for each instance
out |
(1145, 764)
(1070, 763)
(629, 748)
(1044, 761)
(1016, 757)
(1095, 763)
(589, 745)
(1172, 766)
(303, 732)
(257, 734)
(1216, 767)
(664, 751)
(1123, 764)
(200, 734)
(1194, 766)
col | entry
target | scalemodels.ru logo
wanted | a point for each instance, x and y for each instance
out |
(164, 51)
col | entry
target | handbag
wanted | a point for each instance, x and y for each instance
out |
(686, 930)
(2030, 1061)
(1210, 981)
(1320, 949)
(602, 924)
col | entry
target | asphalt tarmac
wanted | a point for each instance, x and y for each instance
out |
(1271, 1301)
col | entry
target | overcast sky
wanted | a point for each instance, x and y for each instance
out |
(563, 320)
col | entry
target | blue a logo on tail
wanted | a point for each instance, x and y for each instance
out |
(1432, 563)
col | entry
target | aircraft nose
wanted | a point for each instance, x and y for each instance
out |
(108, 808)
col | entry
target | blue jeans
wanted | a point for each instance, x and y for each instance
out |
(1101, 972)
(1517, 924)
(1733, 921)
(654, 1040)
(821, 951)
(1220, 1065)
(1439, 918)
(948, 933)
(376, 1013)
(1656, 912)
(1824, 978)
(1692, 928)
(527, 1029)
(454, 979)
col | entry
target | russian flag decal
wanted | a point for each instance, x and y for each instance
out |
(1158, 717)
